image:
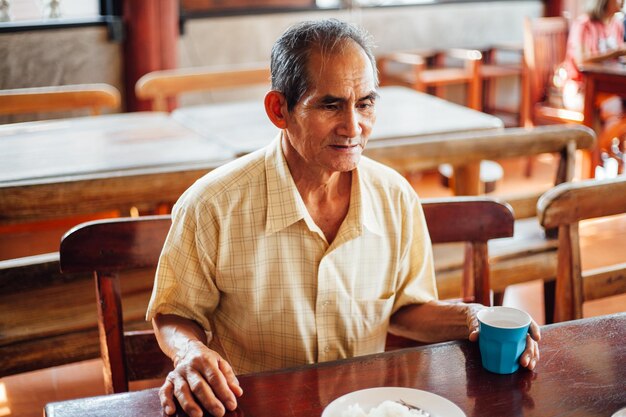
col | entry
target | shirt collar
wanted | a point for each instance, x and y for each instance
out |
(285, 206)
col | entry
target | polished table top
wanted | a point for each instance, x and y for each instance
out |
(68, 167)
(243, 126)
(582, 372)
(108, 143)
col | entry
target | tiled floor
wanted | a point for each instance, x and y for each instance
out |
(25, 395)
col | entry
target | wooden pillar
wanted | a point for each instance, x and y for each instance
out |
(150, 43)
(553, 8)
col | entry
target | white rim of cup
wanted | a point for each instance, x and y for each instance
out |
(510, 311)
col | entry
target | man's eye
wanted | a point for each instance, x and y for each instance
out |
(331, 106)
(366, 105)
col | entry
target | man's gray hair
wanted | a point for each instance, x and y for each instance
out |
(291, 53)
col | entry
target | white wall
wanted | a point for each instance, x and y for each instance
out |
(240, 40)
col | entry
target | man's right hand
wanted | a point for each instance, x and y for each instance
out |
(201, 378)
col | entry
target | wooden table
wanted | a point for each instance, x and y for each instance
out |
(243, 126)
(582, 372)
(401, 113)
(605, 77)
(86, 165)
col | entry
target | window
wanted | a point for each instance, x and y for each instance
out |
(45, 10)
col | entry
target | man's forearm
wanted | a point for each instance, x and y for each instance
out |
(435, 321)
(174, 333)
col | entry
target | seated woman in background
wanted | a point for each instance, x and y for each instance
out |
(595, 36)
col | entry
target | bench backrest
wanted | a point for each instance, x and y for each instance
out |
(159, 86)
(563, 207)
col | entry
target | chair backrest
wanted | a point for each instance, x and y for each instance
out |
(564, 206)
(474, 220)
(429, 69)
(107, 248)
(159, 86)
(545, 43)
(93, 97)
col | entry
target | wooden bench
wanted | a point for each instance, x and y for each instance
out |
(529, 255)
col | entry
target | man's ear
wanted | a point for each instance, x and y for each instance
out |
(276, 108)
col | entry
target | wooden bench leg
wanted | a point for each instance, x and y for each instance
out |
(549, 292)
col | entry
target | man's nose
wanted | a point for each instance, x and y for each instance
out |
(350, 124)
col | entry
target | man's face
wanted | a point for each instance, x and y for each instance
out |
(331, 123)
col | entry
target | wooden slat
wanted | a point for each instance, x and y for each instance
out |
(161, 85)
(59, 98)
(604, 282)
(144, 189)
(582, 200)
(406, 154)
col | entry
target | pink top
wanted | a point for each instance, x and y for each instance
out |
(593, 37)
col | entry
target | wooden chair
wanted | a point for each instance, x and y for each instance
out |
(545, 44)
(106, 248)
(473, 221)
(159, 86)
(563, 207)
(93, 97)
(109, 247)
(494, 69)
(412, 69)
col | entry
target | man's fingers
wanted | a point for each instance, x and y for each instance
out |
(231, 378)
(205, 393)
(218, 382)
(534, 331)
(530, 357)
(166, 396)
(185, 398)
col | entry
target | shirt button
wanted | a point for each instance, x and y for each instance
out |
(325, 303)
(326, 349)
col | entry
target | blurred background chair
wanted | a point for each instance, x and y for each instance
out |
(500, 62)
(431, 71)
(163, 87)
(563, 207)
(545, 43)
(91, 97)
(107, 248)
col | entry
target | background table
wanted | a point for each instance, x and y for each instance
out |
(85, 165)
(243, 126)
(605, 77)
(582, 373)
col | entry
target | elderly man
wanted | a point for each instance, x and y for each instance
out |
(303, 251)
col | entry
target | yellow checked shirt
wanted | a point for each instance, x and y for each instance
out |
(245, 260)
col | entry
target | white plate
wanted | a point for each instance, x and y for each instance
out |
(367, 399)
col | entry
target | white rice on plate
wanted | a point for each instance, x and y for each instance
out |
(384, 409)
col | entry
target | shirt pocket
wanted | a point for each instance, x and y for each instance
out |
(370, 321)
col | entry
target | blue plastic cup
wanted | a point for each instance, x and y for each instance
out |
(502, 338)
